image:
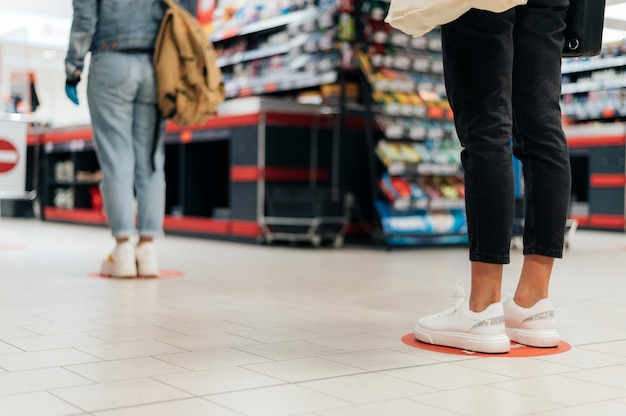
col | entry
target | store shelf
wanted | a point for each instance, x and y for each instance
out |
(595, 111)
(431, 169)
(593, 64)
(282, 82)
(594, 85)
(265, 52)
(292, 18)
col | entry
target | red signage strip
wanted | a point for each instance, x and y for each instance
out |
(252, 173)
(219, 122)
(280, 174)
(607, 221)
(607, 180)
(67, 135)
(197, 224)
(244, 173)
(88, 216)
(593, 141)
(583, 220)
(32, 139)
(246, 228)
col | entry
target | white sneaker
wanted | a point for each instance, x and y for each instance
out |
(121, 262)
(459, 327)
(534, 326)
(147, 264)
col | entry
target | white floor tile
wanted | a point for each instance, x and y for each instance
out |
(447, 376)
(44, 359)
(37, 404)
(133, 334)
(220, 380)
(485, 401)
(36, 380)
(131, 349)
(377, 360)
(601, 408)
(614, 376)
(24, 320)
(53, 328)
(205, 360)
(104, 396)
(367, 388)
(357, 342)
(207, 341)
(13, 331)
(119, 370)
(581, 357)
(7, 348)
(615, 348)
(563, 390)
(517, 367)
(50, 342)
(389, 408)
(202, 327)
(311, 368)
(185, 407)
(281, 334)
(277, 401)
(288, 350)
(334, 328)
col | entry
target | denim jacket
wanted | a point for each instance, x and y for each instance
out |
(119, 25)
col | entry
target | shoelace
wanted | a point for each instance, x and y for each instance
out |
(459, 295)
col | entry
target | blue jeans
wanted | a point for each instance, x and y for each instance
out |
(503, 77)
(122, 102)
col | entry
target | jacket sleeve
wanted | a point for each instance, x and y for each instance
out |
(81, 34)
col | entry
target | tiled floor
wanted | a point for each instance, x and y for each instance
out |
(276, 331)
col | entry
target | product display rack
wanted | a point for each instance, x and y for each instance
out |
(282, 54)
(418, 190)
(225, 179)
(594, 89)
(594, 109)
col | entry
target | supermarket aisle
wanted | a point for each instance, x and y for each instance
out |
(254, 330)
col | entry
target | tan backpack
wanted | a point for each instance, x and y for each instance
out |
(190, 86)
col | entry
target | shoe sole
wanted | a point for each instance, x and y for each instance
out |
(147, 271)
(490, 344)
(109, 269)
(548, 338)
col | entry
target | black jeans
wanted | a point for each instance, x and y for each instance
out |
(503, 79)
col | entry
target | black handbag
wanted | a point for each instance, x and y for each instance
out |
(583, 32)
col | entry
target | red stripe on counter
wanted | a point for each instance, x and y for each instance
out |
(245, 228)
(88, 216)
(607, 180)
(197, 224)
(607, 221)
(593, 141)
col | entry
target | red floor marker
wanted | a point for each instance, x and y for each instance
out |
(517, 350)
(163, 274)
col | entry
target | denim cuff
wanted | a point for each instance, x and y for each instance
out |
(489, 258)
(557, 254)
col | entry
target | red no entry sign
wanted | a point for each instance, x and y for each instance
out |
(9, 156)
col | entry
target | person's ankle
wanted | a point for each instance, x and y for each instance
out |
(479, 305)
(528, 300)
(144, 240)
